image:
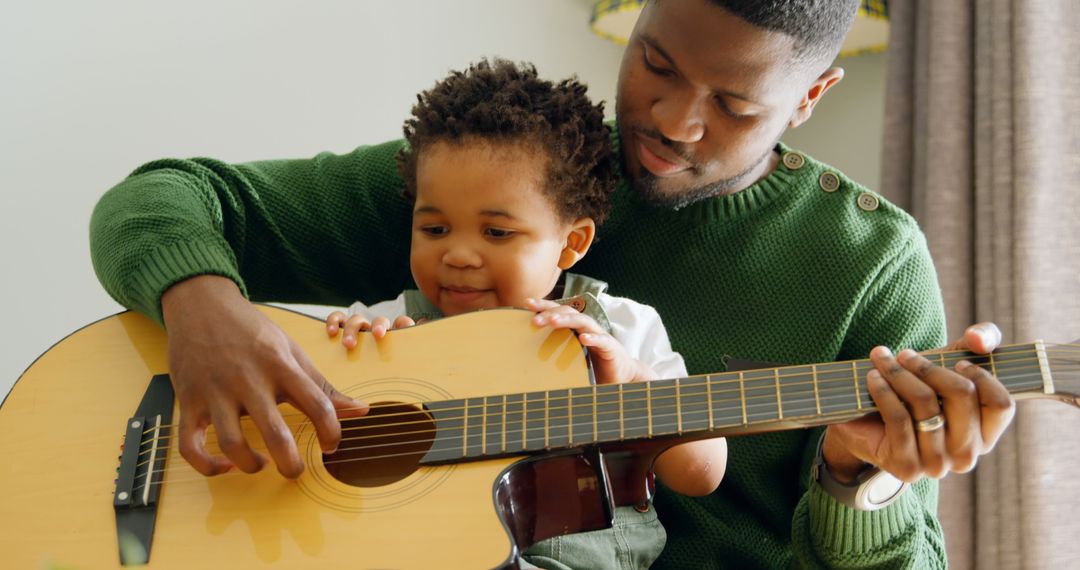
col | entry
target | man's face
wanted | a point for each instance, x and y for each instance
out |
(703, 98)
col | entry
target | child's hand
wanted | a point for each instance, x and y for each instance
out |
(337, 321)
(611, 363)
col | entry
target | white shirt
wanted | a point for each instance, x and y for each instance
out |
(636, 326)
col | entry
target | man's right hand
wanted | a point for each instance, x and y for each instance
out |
(227, 359)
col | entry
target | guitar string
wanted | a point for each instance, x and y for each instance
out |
(842, 367)
(759, 383)
(766, 385)
(511, 452)
(568, 397)
(526, 429)
(200, 478)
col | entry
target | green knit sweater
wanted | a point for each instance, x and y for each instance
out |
(782, 272)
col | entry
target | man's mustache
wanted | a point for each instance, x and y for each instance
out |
(679, 149)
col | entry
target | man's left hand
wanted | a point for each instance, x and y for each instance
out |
(907, 436)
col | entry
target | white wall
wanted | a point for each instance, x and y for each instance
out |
(90, 90)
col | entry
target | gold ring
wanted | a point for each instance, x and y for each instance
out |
(930, 424)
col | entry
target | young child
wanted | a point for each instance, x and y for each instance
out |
(510, 175)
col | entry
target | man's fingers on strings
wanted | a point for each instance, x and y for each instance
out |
(320, 408)
(341, 405)
(193, 448)
(230, 438)
(906, 376)
(899, 453)
(958, 403)
(996, 405)
(278, 438)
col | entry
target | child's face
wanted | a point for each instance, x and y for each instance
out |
(484, 233)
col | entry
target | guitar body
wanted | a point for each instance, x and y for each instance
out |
(61, 431)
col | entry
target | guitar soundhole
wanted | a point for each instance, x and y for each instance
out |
(382, 447)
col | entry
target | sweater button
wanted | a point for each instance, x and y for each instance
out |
(793, 160)
(867, 201)
(829, 181)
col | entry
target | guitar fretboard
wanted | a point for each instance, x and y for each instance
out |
(731, 402)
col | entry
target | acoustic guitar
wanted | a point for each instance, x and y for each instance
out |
(485, 436)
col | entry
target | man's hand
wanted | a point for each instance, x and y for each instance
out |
(908, 389)
(611, 363)
(227, 359)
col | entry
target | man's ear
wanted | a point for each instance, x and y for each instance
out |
(817, 90)
(578, 241)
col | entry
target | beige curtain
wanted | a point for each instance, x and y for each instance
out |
(982, 145)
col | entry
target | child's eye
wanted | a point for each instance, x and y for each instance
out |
(434, 231)
(498, 233)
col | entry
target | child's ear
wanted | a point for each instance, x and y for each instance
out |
(581, 235)
(817, 90)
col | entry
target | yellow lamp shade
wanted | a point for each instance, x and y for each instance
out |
(614, 20)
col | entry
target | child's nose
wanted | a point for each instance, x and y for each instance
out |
(461, 255)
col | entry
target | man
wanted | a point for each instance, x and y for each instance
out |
(748, 250)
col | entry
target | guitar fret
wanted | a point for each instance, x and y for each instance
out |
(855, 380)
(622, 418)
(595, 413)
(503, 430)
(678, 407)
(547, 406)
(708, 400)
(483, 425)
(648, 405)
(742, 396)
(779, 405)
(570, 417)
(465, 430)
(817, 393)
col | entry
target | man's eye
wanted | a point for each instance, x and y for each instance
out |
(498, 233)
(654, 68)
(435, 231)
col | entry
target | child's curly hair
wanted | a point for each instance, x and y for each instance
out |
(504, 102)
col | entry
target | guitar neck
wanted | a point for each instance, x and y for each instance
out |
(729, 403)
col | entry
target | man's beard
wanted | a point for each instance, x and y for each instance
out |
(647, 185)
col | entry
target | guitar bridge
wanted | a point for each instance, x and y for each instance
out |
(141, 471)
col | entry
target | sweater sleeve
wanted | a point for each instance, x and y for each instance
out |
(325, 230)
(901, 309)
